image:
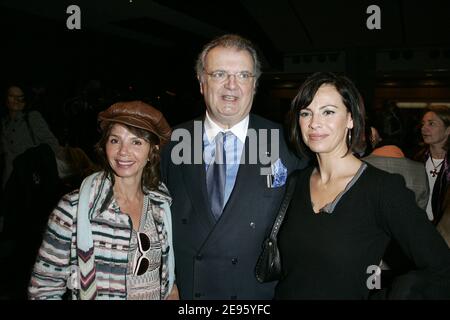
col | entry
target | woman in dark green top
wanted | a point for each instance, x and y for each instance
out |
(344, 212)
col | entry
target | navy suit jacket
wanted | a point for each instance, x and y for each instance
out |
(216, 260)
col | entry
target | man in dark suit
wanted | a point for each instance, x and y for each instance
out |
(226, 173)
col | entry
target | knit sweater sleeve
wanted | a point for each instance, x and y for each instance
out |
(52, 267)
(404, 221)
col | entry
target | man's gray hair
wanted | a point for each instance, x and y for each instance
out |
(229, 41)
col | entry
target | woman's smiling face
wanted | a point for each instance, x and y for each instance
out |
(325, 122)
(127, 154)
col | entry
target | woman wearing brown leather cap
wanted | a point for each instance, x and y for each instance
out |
(112, 239)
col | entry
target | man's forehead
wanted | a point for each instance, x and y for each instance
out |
(229, 54)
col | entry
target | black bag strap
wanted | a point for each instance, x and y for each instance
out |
(30, 129)
(292, 181)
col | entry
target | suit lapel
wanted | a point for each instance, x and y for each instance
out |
(246, 172)
(195, 182)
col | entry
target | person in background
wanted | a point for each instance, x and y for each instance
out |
(371, 138)
(29, 188)
(343, 212)
(21, 130)
(435, 132)
(116, 243)
(224, 205)
(388, 155)
(73, 166)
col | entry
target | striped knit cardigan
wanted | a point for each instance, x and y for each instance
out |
(96, 268)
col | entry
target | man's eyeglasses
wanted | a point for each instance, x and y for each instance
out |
(220, 76)
(144, 247)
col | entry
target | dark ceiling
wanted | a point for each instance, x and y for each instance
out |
(289, 33)
(151, 46)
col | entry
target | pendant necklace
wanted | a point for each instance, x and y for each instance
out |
(435, 171)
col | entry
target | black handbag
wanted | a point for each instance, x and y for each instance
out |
(268, 267)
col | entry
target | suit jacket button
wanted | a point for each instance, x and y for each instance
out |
(197, 295)
(234, 260)
(198, 257)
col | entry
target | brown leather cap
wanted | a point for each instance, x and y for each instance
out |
(137, 114)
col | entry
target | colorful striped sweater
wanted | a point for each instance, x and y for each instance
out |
(56, 266)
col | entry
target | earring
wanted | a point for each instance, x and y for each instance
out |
(349, 136)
